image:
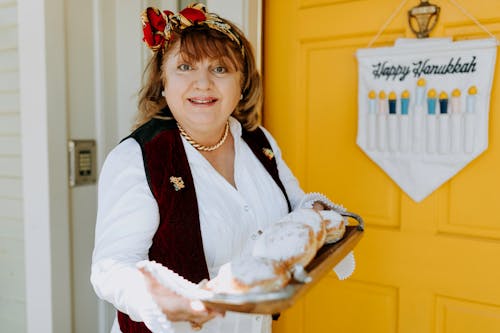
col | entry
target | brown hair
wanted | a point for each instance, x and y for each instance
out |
(197, 43)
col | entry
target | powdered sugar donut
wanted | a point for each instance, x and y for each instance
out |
(313, 219)
(335, 225)
(249, 274)
(289, 242)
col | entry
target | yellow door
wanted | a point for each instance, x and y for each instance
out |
(427, 267)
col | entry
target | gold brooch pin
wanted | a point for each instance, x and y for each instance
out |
(177, 182)
(268, 152)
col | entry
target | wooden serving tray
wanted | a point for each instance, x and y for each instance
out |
(325, 260)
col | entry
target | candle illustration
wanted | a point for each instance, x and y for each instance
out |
(418, 115)
(431, 121)
(392, 122)
(456, 121)
(455, 101)
(443, 102)
(431, 102)
(470, 119)
(444, 127)
(372, 113)
(392, 102)
(420, 95)
(382, 102)
(403, 122)
(471, 100)
(381, 121)
(405, 101)
(372, 102)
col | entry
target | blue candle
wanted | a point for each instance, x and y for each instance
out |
(405, 101)
(431, 102)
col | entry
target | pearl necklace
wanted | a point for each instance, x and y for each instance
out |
(200, 146)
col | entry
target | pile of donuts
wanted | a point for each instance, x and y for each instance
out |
(283, 248)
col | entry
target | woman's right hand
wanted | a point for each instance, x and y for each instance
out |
(176, 307)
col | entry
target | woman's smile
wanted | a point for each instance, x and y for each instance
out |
(203, 101)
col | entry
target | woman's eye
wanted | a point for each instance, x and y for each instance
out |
(220, 70)
(184, 67)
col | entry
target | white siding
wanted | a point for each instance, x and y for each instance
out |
(12, 277)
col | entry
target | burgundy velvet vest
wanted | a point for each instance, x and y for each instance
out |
(177, 244)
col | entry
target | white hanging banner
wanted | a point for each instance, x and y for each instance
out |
(423, 108)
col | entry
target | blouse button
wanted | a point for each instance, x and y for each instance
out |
(246, 208)
(255, 236)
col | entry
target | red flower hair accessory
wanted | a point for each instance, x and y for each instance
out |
(154, 23)
(157, 26)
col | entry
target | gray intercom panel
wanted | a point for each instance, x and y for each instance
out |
(82, 162)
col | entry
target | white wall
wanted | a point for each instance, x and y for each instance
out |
(12, 295)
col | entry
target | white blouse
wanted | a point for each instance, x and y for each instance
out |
(128, 217)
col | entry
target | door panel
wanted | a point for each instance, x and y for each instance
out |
(421, 267)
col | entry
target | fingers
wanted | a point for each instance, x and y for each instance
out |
(151, 282)
(201, 314)
(197, 306)
(196, 326)
(176, 307)
(218, 312)
(318, 206)
(201, 320)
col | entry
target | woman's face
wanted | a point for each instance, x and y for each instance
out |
(201, 95)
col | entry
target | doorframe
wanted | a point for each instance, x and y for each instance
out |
(42, 104)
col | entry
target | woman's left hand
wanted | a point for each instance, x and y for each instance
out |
(176, 307)
(318, 206)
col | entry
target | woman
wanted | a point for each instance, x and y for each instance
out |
(196, 179)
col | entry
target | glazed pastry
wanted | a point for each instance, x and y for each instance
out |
(292, 243)
(249, 274)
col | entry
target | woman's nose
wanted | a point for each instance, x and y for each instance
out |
(203, 79)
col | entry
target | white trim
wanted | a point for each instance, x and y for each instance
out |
(231, 10)
(247, 14)
(43, 136)
(100, 121)
(253, 27)
(128, 63)
(100, 125)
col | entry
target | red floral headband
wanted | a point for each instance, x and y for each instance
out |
(157, 26)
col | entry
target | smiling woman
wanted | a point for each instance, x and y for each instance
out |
(194, 181)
